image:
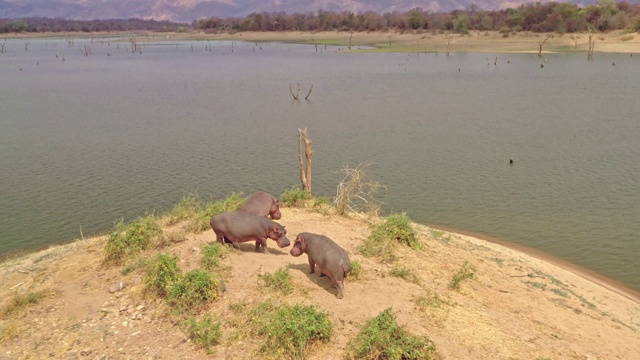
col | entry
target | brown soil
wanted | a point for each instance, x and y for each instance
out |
(516, 307)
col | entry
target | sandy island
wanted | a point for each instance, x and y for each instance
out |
(516, 307)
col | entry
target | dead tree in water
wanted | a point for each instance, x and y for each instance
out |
(542, 43)
(305, 168)
(2, 49)
(448, 43)
(592, 45)
(297, 94)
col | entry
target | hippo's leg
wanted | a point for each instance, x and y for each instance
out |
(339, 286)
(312, 266)
(322, 274)
(262, 243)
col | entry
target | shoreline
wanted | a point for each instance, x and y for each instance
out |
(613, 285)
(423, 41)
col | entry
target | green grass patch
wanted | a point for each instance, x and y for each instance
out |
(404, 273)
(196, 289)
(162, 273)
(499, 261)
(21, 302)
(212, 255)
(127, 240)
(287, 331)
(395, 229)
(206, 333)
(382, 338)
(9, 331)
(537, 285)
(356, 269)
(280, 281)
(466, 272)
(560, 292)
(295, 197)
(431, 300)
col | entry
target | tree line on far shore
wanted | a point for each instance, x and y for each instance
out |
(535, 17)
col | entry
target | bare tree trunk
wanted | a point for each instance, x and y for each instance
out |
(542, 43)
(592, 45)
(305, 169)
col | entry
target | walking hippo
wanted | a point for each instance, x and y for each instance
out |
(239, 226)
(263, 204)
(332, 260)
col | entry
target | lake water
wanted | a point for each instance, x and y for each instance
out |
(93, 139)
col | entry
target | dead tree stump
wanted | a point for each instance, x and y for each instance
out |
(305, 168)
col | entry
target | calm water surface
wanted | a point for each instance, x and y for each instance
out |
(93, 139)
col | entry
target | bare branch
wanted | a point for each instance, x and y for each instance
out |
(309, 93)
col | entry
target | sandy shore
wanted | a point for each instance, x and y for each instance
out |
(516, 305)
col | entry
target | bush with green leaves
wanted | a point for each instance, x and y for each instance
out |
(404, 273)
(288, 331)
(205, 333)
(382, 338)
(295, 197)
(127, 240)
(395, 228)
(212, 255)
(162, 273)
(280, 281)
(194, 290)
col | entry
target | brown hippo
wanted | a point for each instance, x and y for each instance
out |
(238, 226)
(263, 204)
(332, 260)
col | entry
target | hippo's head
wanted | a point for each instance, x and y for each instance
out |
(274, 212)
(299, 246)
(278, 233)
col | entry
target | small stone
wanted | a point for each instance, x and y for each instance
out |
(117, 287)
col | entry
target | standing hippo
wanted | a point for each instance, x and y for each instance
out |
(332, 260)
(262, 204)
(238, 226)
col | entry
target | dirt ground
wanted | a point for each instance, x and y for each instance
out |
(516, 307)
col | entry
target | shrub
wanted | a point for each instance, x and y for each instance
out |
(356, 191)
(187, 208)
(205, 333)
(162, 274)
(195, 289)
(295, 197)
(396, 228)
(288, 331)
(466, 271)
(382, 338)
(201, 220)
(127, 240)
(280, 281)
(356, 269)
(211, 255)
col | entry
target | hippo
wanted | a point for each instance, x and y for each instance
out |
(263, 204)
(332, 260)
(239, 226)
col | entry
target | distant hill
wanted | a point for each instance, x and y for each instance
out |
(190, 10)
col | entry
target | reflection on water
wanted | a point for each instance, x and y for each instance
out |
(93, 139)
